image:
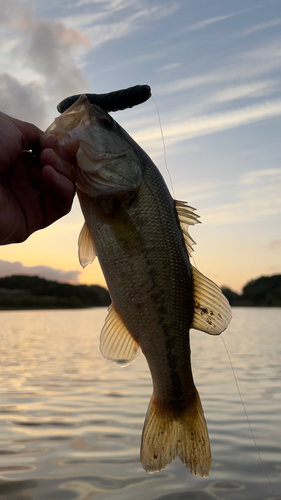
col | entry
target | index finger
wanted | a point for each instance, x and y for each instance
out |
(51, 142)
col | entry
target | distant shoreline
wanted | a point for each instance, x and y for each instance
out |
(21, 292)
(44, 307)
(261, 292)
(55, 307)
(31, 292)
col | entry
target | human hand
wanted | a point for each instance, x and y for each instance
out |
(37, 181)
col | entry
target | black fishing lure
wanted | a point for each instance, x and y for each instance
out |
(113, 101)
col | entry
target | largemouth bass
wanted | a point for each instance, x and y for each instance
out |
(140, 235)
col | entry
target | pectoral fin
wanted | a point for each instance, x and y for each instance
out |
(212, 312)
(116, 342)
(86, 246)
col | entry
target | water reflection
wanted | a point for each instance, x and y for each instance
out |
(12, 489)
(71, 422)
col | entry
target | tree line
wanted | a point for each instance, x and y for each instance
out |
(261, 292)
(32, 292)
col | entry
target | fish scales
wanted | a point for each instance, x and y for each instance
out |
(140, 235)
(151, 287)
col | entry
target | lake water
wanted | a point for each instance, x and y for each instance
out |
(71, 422)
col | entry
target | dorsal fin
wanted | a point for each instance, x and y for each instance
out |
(212, 312)
(187, 218)
(86, 246)
(116, 342)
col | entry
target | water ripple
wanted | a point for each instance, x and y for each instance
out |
(71, 423)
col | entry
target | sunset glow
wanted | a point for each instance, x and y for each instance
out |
(214, 71)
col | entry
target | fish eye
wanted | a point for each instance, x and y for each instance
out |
(106, 122)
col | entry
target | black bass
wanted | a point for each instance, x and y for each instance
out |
(140, 235)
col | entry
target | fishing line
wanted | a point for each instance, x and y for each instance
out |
(230, 362)
(192, 257)
(164, 146)
(247, 418)
(165, 160)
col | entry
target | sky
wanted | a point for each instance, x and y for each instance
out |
(214, 67)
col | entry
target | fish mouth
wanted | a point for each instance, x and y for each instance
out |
(66, 141)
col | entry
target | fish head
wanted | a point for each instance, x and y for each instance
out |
(106, 161)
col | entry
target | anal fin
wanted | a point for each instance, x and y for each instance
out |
(116, 342)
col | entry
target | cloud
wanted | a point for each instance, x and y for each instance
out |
(8, 10)
(258, 198)
(247, 90)
(48, 55)
(168, 67)
(38, 61)
(262, 26)
(211, 20)
(197, 126)
(48, 51)
(204, 190)
(274, 245)
(221, 76)
(239, 69)
(21, 101)
(107, 5)
(209, 101)
(260, 176)
(13, 268)
(117, 19)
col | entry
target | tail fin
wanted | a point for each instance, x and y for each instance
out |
(167, 435)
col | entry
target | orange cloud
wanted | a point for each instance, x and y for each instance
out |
(70, 36)
(274, 245)
(17, 268)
